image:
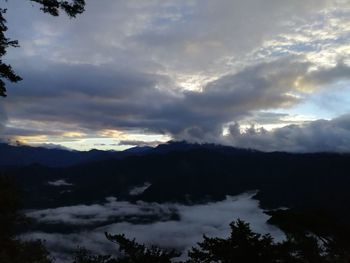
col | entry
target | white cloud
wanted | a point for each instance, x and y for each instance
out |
(315, 136)
(137, 190)
(98, 213)
(211, 219)
(60, 182)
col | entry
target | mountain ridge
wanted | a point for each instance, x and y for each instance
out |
(22, 155)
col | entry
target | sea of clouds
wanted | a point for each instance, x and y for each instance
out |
(166, 230)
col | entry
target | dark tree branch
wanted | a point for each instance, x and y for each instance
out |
(53, 7)
(6, 71)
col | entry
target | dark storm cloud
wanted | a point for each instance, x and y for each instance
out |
(262, 86)
(11, 131)
(317, 136)
(60, 80)
(90, 96)
(98, 97)
(330, 75)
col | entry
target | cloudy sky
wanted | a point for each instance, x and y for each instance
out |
(271, 75)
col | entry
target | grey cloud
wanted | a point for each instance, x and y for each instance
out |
(231, 97)
(340, 71)
(139, 143)
(256, 87)
(210, 31)
(317, 136)
(12, 131)
(60, 182)
(264, 118)
(137, 190)
(97, 213)
(95, 98)
(60, 80)
(3, 118)
(180, 36)
(260, 87)
(88, 95)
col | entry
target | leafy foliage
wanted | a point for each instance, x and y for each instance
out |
(333, 235)
(71, 8)
(242, 246)
(85, 256)
(16, 251)
(6, 71)
(9, 205)
(129, 252)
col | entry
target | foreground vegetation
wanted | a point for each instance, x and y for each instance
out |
(13, 250)
(243, 245)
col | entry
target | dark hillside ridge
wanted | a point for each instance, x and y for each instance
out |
(26, 155)
(22, 155)
(189, 173)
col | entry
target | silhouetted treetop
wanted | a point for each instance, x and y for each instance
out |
(53, 7)
(242, 246)
(6, 71)
(135, 252)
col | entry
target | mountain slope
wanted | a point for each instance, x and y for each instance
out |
(196, 173)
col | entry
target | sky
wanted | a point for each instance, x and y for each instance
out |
(270, 75)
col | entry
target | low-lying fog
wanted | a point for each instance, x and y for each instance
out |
(167, 225)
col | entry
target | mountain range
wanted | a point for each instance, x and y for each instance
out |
(181, 172)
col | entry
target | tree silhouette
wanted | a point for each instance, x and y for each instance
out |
(6, 71)
(133, 252)
(53, 7)
(83, 255)
(242, 246)
(129, 252)
(13, 250)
